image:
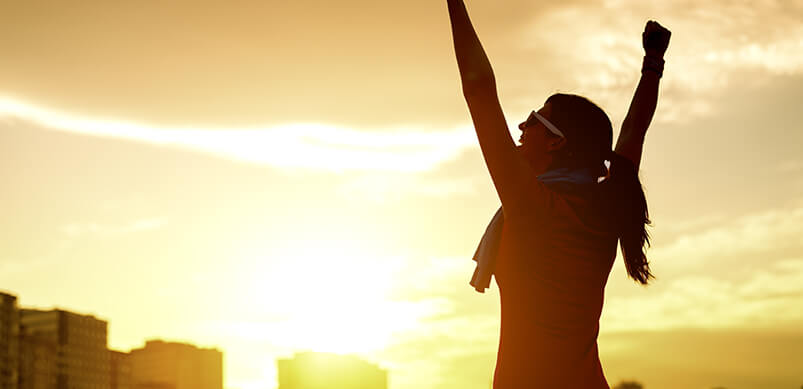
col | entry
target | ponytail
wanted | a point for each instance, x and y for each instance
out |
(630, 216)
(589, 135)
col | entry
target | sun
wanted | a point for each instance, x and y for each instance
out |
(332, 298)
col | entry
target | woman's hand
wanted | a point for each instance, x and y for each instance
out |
(655, 39)
(642, 108)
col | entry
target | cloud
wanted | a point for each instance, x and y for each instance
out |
(595, 48)
(762, 300)
(290, 146)
(745, 273)
(771, 231)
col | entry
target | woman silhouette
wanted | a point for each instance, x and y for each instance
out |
(553, 243)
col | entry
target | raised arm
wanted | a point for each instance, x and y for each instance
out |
(508, 170)
(631, 139)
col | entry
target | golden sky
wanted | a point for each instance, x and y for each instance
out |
(267, 177)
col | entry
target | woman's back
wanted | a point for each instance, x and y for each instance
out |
(552, 269)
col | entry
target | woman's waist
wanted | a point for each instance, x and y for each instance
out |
(550, 332)
(567, 279)
(557, 312)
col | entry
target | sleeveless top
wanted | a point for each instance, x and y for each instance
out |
(553, 263)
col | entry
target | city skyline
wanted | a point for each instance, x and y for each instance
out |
(57, 348)
(281, 176)
(71, 310)
(47, 339)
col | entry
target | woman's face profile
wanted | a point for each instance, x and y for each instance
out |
(533, 131)
(537, 141)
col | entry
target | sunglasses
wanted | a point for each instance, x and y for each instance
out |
(551, 127)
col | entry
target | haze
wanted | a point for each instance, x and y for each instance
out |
(237, 175)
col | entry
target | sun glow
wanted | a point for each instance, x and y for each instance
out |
(330, 299)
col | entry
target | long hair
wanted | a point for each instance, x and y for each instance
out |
(630, 216)
(589, 135)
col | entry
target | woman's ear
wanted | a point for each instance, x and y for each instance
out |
(556, 143)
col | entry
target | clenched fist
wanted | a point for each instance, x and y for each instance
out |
(655, 39)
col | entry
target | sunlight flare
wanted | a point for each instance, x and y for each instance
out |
(330, 298)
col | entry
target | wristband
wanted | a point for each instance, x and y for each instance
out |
(653, 64)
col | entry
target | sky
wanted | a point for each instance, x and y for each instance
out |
(272, 177)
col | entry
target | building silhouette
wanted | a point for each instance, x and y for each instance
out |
(38, 363)
(120, 370)
(58, 349)
(9, 341)
(171, 365)
(311, 370)
(79, 341)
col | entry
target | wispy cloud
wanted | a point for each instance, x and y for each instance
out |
(595, 48)
(762, 300)
(706, 37)
(296, 145)
(746, 272)
(776, 230)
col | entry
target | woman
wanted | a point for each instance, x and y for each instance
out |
(553, 243)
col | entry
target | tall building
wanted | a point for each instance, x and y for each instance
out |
(120, 364)
(311, 370)
(38, 363)
(82, 359)
(172, 365)
(9, 341)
